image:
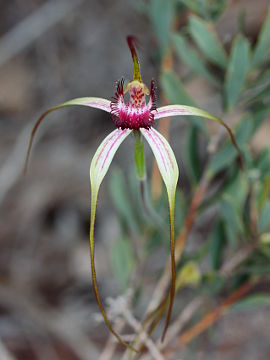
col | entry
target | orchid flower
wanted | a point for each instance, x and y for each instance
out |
(133, 116)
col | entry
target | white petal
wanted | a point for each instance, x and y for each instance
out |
(104, 155)
(165, 159)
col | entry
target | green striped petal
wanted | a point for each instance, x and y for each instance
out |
(169, 171)
(98, 169)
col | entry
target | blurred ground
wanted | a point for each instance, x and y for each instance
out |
(46, 304)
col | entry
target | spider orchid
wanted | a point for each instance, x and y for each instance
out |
(136, 116)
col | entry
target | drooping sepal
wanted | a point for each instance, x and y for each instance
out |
(93, 102)
(98, 169)
(169, 171)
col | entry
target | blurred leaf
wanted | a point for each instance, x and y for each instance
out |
(265, 245)
(217, 244)
(121, 200)
(199, 254)
(175, 92)
(260, 113)
(188, 275)
(251, 302)
(236, 184)
(237, 71)
(135, 197)
(227, 153)
(161, 15)
(233, 222)
(238, 189)
(257, 270)
(263, 97)
(212, 283)
(180, 209)
(264, 218)
(193, 157)
(258, 90)
(262, 49)
(265, 238)
(174, 89)
(209, 9)
(264, 192)
(262, 163)
(122, 260)
(192, 59)
(206, 39)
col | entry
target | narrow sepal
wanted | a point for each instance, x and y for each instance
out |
(93, 102)
(132, 40)
(98, 169)
(176, 110)
(169, 171)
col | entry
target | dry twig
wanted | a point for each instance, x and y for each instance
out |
(210, 318)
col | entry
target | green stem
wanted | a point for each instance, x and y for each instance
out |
(139, 156)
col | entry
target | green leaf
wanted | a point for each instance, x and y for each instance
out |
(192, 59)
(227, 153)
(121, 200)
(180, 209)
(206, 39)
(238, 189)
(233, 221)
(260, 112)
(193, 157)
(237, 71)
(264, 192)
(259, 89)
(161, 15)
(212, 283)
(208, 9)
(174, 89)
(123, 261)
(217, 244)
(256, 301)
(264, 218)
(262, 50)
(175, 92)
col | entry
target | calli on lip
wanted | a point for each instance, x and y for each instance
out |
(138, 116)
